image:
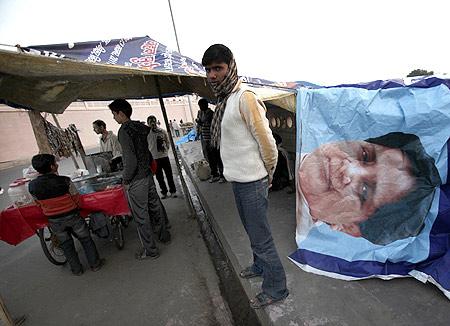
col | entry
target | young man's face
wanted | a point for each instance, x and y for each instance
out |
(98, 129)
(120, 117)
(216, 73)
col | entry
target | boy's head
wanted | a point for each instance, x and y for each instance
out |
(203, 104)
(44, 163)
(121, 110)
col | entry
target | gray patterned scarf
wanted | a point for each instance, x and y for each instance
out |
(222, 92)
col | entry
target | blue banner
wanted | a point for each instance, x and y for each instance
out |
(142, 53)
(373, 198)
(138, 52)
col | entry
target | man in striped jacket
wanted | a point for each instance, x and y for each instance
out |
(212, 154)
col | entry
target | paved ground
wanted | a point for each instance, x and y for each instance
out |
(315, 300)
(179, 288)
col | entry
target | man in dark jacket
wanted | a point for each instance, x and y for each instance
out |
(142, 196)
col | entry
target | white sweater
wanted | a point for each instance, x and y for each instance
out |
(247, 147)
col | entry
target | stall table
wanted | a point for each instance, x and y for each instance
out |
(18, 224)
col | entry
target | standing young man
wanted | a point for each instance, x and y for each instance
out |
(142, 196)
(249, 155)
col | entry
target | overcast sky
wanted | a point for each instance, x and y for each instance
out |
(321, 41)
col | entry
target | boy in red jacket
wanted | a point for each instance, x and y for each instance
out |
(58, 198)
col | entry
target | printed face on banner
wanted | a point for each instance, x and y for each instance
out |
(378, 189)
(372, 173)
(344, 183)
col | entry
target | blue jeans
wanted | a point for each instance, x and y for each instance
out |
(251, 201)
(63, 228)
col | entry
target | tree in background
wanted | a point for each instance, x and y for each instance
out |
(420, 72)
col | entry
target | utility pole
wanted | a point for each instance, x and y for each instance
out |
(179, 51)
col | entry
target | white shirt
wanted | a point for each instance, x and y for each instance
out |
(111, 144)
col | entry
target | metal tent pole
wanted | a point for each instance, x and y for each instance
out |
(187, 197)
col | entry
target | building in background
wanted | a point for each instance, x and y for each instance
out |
(17, 142)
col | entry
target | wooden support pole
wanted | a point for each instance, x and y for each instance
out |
(37, 123)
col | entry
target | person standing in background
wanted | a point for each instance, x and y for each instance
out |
(158, 145)
(108, 141)
(176, 128)
(211, 154)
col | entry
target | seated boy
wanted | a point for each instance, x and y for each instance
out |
(58, 198)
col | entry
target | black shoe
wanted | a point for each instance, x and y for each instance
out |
(99, 265)
(164, 196)
(142, 255)
(79, 273)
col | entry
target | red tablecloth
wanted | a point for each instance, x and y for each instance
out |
(18, 224)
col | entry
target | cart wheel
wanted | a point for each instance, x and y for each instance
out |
(125, 220)
(50, 246)
(117, 233)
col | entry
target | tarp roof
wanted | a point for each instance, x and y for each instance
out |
(49, 78)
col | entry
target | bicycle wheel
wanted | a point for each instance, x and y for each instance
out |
(125, 220)
(50, 246)
(117, 233)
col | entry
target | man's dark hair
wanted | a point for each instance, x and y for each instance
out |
(203, 103)
(217, 53)
(151, 117)
(121, 105)
(99, 123)
(43, 163)
(404, 218)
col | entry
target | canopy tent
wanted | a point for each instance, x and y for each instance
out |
(48, 78)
